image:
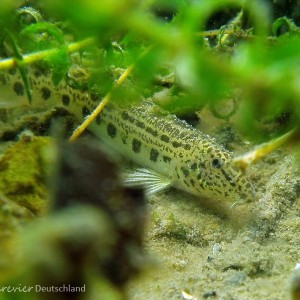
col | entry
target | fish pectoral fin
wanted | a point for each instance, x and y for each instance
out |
(152, 181)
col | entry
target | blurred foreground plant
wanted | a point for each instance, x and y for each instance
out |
(242, 60)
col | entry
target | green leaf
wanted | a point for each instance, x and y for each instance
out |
(20, 67)
(41, 36)
(284, 25)
(28, 15)
(60, 63)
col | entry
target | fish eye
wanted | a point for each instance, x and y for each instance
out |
(216, 163)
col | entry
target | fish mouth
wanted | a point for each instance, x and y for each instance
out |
(228, 178)
(249, 195)
(246, 195)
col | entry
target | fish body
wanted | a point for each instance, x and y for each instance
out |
(171, 152)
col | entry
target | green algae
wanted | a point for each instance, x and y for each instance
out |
(23, 193)
(24, 168)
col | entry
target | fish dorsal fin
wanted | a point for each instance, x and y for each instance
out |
(151, 180)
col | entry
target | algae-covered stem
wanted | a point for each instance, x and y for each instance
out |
(27, 59)
(78, 131)
(260, 151)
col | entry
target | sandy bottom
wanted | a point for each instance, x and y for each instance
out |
(249, 252)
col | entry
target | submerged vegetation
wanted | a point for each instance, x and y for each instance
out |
(236, 59)
(201, 52)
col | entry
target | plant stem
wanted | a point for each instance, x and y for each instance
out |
(27, 59)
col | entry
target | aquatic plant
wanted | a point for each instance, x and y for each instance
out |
(200, 54)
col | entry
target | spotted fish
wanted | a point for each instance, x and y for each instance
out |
(169, 151)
